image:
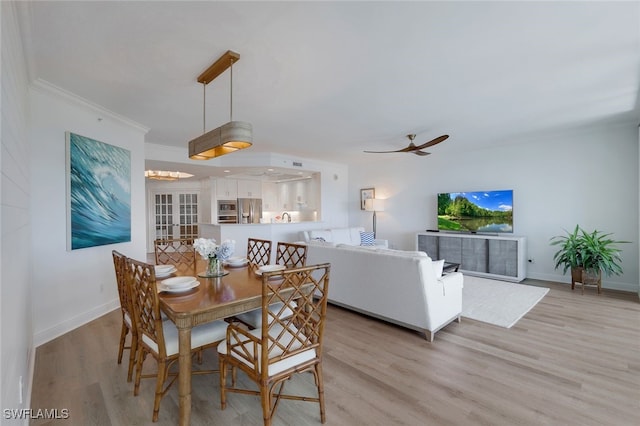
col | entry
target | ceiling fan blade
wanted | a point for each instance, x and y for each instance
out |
(409, 148)
(421, 153)
(433, 142)
(384, 152)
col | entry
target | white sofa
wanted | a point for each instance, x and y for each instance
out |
(401, 287)
(349, 236)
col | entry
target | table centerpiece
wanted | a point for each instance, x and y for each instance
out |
(214, 254)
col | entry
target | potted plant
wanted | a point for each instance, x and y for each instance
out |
(593, 252)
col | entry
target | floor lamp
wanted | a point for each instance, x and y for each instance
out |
(374, 205)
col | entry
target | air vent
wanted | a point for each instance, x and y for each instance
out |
(297, 164)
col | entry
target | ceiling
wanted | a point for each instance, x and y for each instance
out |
(327, 80)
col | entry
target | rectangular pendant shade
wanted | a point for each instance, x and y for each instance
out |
(230, 137)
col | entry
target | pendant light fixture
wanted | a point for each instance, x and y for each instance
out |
(229, 137)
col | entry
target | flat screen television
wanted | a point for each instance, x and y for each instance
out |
(480, 211)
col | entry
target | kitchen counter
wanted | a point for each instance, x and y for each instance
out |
(241, 232)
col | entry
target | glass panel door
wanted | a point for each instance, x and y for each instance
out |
(176, 215)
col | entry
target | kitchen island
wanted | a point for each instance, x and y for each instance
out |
(240, 232)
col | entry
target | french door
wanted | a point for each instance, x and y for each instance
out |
(175, 214)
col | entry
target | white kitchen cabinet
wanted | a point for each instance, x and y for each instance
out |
(249, 188)
(270, 196)
(226, 189)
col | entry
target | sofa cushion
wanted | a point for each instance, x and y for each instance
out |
(324, 234)
(437, 267)
(366, 238)
(343, 236)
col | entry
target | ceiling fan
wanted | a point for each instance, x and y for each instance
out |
(413, 148)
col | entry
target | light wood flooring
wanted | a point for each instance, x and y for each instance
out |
(572, 360)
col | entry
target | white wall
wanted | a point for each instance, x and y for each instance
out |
(73, 287)
(16, 343)
(588, 178)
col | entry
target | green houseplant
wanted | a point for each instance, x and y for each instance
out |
(594, 252)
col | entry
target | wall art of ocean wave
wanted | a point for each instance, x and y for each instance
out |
(99, 191)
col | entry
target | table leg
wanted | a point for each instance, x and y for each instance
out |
(184, 378)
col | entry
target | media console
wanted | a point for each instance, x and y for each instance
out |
(499, 257)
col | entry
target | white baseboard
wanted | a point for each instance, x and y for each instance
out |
(66, 326)
(566, 279)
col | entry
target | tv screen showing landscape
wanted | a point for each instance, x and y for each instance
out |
(481, 211)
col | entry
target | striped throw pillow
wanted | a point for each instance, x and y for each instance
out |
(366, 238)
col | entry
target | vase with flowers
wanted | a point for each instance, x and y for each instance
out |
(214, 254)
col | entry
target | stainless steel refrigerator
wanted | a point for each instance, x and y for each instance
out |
(249, 210)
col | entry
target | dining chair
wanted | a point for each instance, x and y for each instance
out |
(290, 255)
(282, 347)
(178, 252)
(258, 252)
(126, 308)
(160, 338)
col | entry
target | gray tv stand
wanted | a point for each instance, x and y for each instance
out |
(499, 257)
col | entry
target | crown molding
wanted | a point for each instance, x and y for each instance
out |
(49, 88)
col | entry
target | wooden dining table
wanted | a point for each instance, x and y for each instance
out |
(214, 299)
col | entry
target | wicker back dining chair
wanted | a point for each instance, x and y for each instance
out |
(258, 252)
(178, 252)
(126, 308)
(291, 255)
(282, 347)
(160, 338)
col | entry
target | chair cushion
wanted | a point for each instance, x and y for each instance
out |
(279, 366)
(366, 238)
(201, 335)
(254, 318)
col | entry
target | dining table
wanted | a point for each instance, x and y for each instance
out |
(215, 298)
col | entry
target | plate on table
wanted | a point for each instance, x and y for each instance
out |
(270, 268)
(193, 284)
(236, 262)
(178, 282)
(164, 270)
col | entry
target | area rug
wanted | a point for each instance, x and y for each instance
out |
(498, 302)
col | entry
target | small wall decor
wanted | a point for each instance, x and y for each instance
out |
(98, 193)
(365, 194)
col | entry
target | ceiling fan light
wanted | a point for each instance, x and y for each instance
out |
(165, 175)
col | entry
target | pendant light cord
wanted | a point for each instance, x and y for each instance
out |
(231, 94)
(204, 108)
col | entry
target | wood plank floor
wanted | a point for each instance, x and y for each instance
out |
(572, 360)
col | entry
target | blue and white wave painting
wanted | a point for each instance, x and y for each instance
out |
(100, 193)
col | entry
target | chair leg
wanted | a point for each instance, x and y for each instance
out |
(123, 335)
(141, 355)
(132, 355)
(265, 399)
(223, 382)
(162, 375)
(320, 383)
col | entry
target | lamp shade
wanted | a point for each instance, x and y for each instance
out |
(374, 205)
(230, 137)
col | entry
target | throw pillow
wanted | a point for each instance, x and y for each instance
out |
(437, 267)
(319, 239)
(366, 238)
